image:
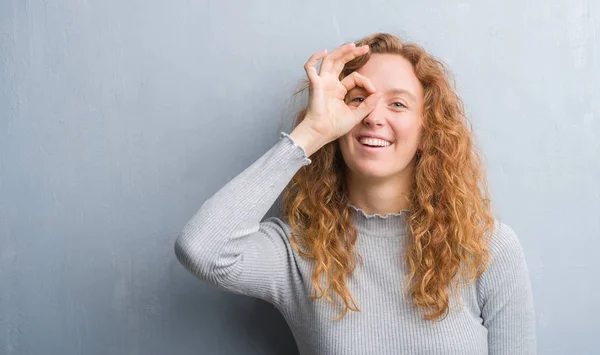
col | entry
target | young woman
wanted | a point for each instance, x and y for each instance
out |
(379, 172)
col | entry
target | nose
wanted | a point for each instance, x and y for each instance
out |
(375, 117)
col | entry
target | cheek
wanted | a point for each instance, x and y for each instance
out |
(348, 139)
(343, 144)
(343, 141)
(408, 130)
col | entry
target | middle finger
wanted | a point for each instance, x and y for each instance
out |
(329, 59)
(339, 64)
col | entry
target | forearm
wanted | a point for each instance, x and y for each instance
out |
(235, 211)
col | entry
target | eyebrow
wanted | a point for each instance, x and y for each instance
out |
(390, 91)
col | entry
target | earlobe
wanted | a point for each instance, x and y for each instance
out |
(418, 154)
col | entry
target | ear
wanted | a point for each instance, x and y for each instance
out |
(420, 144)
(418, 153)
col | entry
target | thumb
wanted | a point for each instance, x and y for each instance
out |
(367, 106)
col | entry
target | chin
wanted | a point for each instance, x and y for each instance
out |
(371, 170)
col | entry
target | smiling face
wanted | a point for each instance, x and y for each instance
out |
(397, 118)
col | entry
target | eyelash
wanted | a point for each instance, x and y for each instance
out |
(397, 102)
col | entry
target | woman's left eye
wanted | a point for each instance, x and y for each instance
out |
(399, 104)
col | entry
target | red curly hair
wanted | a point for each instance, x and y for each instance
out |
(449, 213)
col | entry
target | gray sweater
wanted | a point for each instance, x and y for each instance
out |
(226, 244)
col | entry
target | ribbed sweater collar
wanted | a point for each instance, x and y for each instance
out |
(376, 225)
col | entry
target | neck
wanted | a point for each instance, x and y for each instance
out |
(381, 196)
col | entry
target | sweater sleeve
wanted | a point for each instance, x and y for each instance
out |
(226, 244)
(506, 297)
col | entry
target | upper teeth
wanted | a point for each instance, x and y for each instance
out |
(375, 141)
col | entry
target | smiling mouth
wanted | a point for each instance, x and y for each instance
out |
(373, 147)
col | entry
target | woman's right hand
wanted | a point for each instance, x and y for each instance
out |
(328, 114)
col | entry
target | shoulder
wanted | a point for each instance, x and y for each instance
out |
(277, 225)
(507, 262)
(276, 228)
(504, 244)
(279, 231)
(505, 295)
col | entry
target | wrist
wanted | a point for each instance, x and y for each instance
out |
(308, 138)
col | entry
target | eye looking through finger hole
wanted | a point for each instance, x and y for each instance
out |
(355, 101)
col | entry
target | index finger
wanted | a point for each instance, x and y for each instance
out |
(355, 79)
